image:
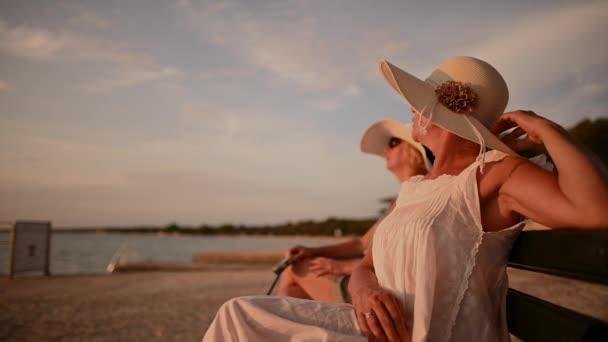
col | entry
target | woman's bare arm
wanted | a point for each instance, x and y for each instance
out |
(576, 196)
(349, 249)
(385, 317)
(321, 266)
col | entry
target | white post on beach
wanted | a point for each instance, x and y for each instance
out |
(30, 247)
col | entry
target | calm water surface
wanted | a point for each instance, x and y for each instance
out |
(90, 253)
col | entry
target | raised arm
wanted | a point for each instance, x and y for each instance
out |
(575, 196)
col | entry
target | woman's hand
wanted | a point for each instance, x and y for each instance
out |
(527, 123)
(380, 315)
(298, 253)
(322, 266)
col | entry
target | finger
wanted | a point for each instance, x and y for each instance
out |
(375, 326)
(316, 270)
(516, 133)
(322, 273)
(504, 123)
(317, 273)
(523, 144)
(289, 251)
(317, 263)
(385, 320)
(319, 267)
(297, 255)
(515, 117)
(397, 313)
(363, 324)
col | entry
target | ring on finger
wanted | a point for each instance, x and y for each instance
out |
(369, 314)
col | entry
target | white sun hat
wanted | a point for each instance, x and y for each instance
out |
(464, 95)
(377, 135)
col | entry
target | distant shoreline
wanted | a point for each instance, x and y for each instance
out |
(182, 234)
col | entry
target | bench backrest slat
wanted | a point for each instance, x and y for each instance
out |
(533, 319)
(572, 253)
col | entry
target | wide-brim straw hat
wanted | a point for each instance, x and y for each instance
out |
(476, 118)
(376, 137)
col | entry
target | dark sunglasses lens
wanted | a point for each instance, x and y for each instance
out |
(394, 142)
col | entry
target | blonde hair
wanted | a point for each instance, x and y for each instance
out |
(415, 160)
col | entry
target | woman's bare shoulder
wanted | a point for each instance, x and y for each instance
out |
(504, 167)
(517, 171)
(496, 173)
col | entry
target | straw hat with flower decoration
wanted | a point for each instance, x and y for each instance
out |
(464, 95)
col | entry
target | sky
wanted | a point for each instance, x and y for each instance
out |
(250, 112)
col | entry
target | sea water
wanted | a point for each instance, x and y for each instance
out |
(90, 253)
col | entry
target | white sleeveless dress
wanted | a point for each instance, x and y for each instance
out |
(430, 252)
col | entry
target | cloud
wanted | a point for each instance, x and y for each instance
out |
(217, 122)
(183, 4)
(44, 161)
(228, 125)
(91, 19)
(552, 65)
(39, 44)
(127, 68)
(295, 49)
(4, 86)
(135, 76)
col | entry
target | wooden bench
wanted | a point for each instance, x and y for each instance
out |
(571, 253)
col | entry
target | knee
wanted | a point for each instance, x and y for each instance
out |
(229, 317)
(294, 271)
(230, 306)
(300, 269)
(287, 275)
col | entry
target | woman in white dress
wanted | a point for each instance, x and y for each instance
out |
(322, 273)
(437, 270)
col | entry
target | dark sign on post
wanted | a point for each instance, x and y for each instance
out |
(30, 247)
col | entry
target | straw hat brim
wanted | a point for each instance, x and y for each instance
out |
(420, 94)
(377, 135)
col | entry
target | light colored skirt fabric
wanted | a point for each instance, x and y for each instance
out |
(270, 318)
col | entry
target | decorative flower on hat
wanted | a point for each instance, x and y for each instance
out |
(457, 96)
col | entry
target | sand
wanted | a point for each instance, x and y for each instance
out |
(179, 306)
(151, 306)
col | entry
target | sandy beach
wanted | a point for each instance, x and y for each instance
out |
(151, 306)
(179, 306)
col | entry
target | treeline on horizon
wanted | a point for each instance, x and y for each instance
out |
(327, 227)
(593, 135)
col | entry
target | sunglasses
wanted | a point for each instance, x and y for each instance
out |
(393, 142)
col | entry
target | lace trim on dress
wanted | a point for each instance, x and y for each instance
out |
(470, 174)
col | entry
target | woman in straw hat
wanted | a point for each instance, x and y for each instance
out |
(323, 273)
(437, 267)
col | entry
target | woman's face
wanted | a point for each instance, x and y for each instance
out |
(401, 157)
(394, 154)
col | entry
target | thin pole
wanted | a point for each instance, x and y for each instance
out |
(278, 269)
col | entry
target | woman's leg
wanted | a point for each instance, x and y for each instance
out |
(297, 281)
(271, 318)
